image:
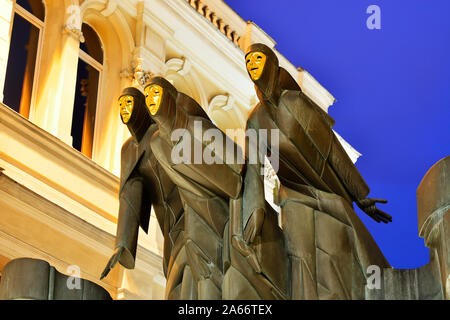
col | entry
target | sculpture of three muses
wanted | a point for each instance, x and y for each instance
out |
(222, 239)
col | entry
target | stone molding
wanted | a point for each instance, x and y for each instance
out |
(216, 20)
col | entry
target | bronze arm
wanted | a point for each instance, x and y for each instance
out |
(131, 199)
(254, 205)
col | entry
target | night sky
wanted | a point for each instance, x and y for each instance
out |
(392, 88)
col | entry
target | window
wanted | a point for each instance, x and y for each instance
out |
(90, 67)
(28, 22)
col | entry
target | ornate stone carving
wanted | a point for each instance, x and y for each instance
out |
(179, 65)
(73, 23)
(136, 73)
(224, 102)
(76, 33)
(141, 76)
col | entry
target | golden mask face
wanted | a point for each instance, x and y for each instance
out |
(255, 64)
(153, 96)
(126, 104)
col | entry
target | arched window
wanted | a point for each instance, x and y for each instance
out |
(90, 67)
(20, 84)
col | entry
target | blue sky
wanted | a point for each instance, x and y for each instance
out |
(392, 88)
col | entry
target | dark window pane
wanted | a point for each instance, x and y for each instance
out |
(36, 7)
(92, 45)
(21, 66)
(84, 108)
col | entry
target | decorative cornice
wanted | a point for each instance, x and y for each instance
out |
(314, 90)
(351, 152)
(211, 16)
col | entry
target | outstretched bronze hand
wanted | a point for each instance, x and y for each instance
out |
(113, 261)
(369, 207)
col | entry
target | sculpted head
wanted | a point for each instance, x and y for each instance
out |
(263, 68)
(133, 112)
(256, 62)
(153, 97)
(126, 104)
(160, 99)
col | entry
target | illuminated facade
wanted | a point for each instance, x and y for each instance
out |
(63, 64)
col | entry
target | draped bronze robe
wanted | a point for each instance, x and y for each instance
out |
(210, 193)
(145, 184)
(329, 247)
(205, 191)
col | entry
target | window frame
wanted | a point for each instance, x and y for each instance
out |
(38, 23)
(84, 56)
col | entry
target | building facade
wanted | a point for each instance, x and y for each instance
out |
(63, 64)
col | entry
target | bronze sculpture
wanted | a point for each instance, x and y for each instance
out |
(222, 239)
(224, 265)
(205, 198)
(143, 183)
(258, 259)
(319, 183)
